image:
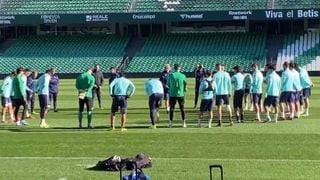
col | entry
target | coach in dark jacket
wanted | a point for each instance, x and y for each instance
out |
(54, 89)
(199, 76)
(98, 75)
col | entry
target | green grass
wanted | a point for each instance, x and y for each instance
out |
(287, 150)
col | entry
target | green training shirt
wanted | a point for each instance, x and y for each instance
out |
(85, 82)
(19, 87)
(177, 84)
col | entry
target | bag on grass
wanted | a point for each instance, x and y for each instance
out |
(110, 164)
(143, 161)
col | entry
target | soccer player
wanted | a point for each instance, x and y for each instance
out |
(257, 80)
(27, 73)
(154, 90)
(306, 85)
(199, 76)
(247, 91)
(43, 95)
(113, 74)
(84, 85)
(223, 90)
(288, 89)
(238, 81)
(206, 89)
(54, 89)
(120, 90)
(272, 93)
(163, 79)
(19, 86)
(6, 89)
(98, 75)
(31, 84)
(297, 86)
(177, 84)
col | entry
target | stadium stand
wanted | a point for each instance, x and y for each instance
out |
(206, 48)
(301, 48)
(200, 5)
(285, 4)
(20, 7)
(70, 54)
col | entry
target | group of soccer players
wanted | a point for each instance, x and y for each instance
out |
(19, 90)
(290, 92)
(293, 90)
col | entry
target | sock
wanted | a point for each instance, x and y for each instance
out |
(283, 115)
(168, 108)
(42, 121)
(210, 122)
(80, 118)
(276, 117)
(268, 115)
(199, 122)
(307, 110)
(3, 117)
(258, 115)
(89, 117)
(291, 115)
(12, 117)
(297, 114)
(241, 117)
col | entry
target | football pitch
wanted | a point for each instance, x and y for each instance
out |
(287, 150)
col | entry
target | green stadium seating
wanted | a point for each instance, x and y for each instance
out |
(206, 48)
(70, 54)
(294, 4)
(203, 5)
(302, 48)
(63, 6)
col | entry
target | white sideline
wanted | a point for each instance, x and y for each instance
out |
(202, 159)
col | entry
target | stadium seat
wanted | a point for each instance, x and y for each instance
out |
(70, 54)
(294, 4)
(202, 5)
(206, 48)
(63, 6)
(301, 48)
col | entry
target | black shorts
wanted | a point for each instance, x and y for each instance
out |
(247, 91)
(222, 99)
(306, 93)
(296, 96)
(238, 98)
(256, 98)
(173, 101)
(206, 105)
(271, 101)
(155, 101)
(5, 101)
(86, 101)
(20, 102)
(119, 101)
(287, 97)
(43, 101)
